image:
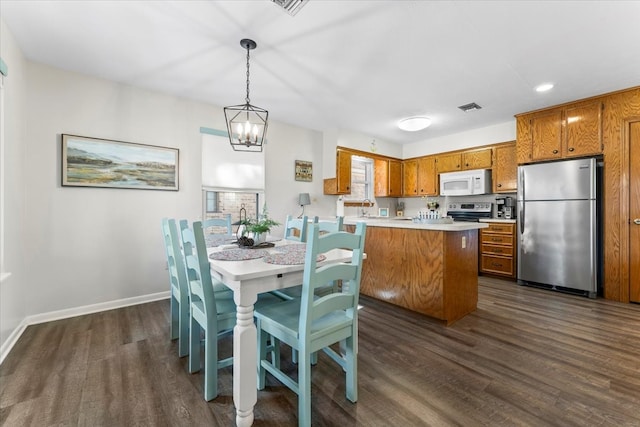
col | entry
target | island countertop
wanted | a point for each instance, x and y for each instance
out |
(405, 222)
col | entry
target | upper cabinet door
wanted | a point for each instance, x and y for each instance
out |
(427, 176)
(546, 135)
(477, 159)
(505, 169)
(583, 130)
(395, 178)
(343, 172)
(449, 163)
(410, 178)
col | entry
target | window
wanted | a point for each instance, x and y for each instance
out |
(361, 179)
(217, 204)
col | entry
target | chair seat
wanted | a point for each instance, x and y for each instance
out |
(285, 316)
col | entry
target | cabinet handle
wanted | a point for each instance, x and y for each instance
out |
(555, 151)
(499, 185)
(466, 164)
(636, 221)
(495, 264)
(571, 149)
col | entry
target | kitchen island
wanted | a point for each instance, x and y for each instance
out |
(428, 268)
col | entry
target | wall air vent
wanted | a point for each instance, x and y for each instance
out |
(469, 107)
(291, 6)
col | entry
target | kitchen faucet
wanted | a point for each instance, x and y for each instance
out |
(362, 211)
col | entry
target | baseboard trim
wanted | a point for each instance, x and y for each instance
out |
(73, 312)
(12, 339)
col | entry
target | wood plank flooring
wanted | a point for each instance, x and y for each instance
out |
(526, 357)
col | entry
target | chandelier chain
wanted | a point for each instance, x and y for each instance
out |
(247, 98)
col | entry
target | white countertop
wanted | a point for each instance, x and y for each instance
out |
(405, 222)
(508, 221)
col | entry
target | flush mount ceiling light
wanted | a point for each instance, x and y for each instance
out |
(412, 124)
(246, 123)
(469, 107)
(544, 87)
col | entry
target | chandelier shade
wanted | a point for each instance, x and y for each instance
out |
(246, 123)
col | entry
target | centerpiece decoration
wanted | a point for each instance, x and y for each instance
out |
(255, 230)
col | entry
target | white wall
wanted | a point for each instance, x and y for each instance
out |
(13, 307)
(93, 244)
(87, 246)
(494, 134)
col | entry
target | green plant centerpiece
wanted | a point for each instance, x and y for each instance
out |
(256, 229)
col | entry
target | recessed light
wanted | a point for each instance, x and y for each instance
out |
(544, 87)
(412, 124)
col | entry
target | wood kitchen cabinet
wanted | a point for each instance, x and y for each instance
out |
(420, 177)
(410, 178)
(449, 162)
(341, 184)
(574, 130)
(498, 249)
(477, 159)
(387, 178)
(504, 174)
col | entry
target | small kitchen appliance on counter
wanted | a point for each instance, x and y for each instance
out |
(469, 211)
(505, 207)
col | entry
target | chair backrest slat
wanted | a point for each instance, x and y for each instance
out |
(197, 266)
(175, 257)
(296, 228)
(317, 275)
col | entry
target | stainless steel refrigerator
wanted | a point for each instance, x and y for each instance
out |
(558, 225)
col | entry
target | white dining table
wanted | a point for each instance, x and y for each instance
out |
(247, 279)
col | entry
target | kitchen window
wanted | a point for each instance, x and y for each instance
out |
(361, 179)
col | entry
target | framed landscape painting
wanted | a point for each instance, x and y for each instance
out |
(93, 162)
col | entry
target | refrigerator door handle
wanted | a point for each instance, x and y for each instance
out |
(522, 199)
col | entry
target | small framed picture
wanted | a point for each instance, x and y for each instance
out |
(304, 171)
(383, 212)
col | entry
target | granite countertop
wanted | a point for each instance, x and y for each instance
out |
(508, 221)
(405, 222)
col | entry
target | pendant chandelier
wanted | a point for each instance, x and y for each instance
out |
(246, 123)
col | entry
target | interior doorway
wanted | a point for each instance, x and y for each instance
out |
(634, 210)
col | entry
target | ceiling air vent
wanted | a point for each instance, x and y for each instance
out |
(291, 6)
(469, 107)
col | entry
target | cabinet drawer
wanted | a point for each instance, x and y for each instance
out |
(497, 264)
(506, 251)
(501, 239)
(499, 228)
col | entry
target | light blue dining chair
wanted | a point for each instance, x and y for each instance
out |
(213, 311)
(296, 228)
(217, 230)
(178, 285)
(309, 324)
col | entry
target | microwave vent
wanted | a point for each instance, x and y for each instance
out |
(469, 107)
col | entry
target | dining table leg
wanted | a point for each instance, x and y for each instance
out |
(245, 394)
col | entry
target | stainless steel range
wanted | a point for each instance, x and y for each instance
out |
(469, 211)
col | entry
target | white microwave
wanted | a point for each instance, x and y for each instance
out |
(465, 183)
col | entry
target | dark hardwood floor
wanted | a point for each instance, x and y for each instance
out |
(526, 357)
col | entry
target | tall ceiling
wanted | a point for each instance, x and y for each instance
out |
(356, 65)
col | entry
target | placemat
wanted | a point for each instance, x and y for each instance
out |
(213, 240)
(237, 254)
(289, 258)
(292, 247)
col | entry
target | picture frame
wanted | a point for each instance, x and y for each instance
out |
(96, 162)
(304, 171)
(383, 212)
